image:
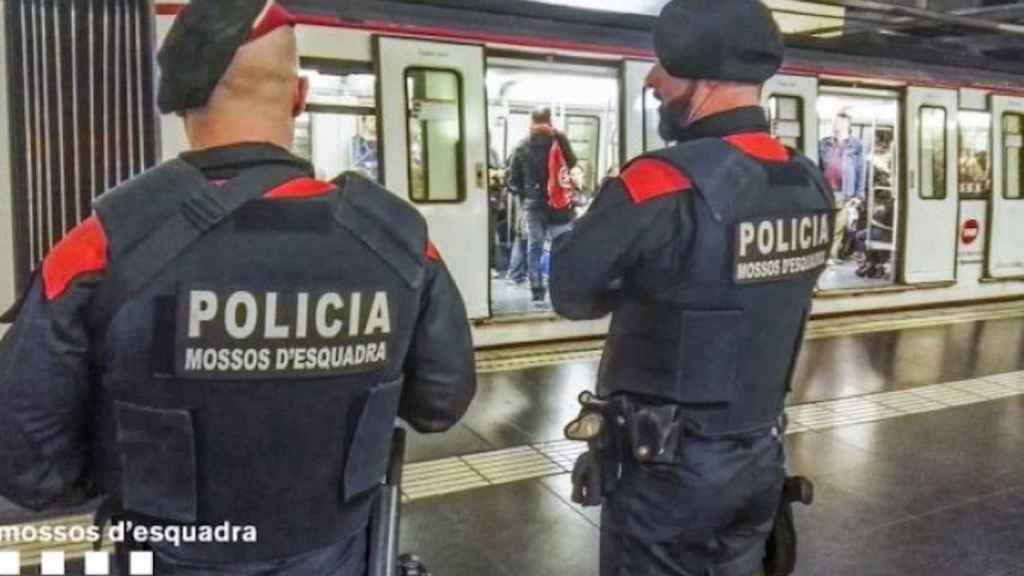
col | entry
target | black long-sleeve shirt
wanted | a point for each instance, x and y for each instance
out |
(630, 242)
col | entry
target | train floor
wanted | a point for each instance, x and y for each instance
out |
(513, 297)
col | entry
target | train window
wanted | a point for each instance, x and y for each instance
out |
(974, 166)
(1013, 150)
(338, 131)
(434, 108)
(933, 142)
(584, 133)
(786, 115)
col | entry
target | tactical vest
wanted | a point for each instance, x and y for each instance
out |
(256, 379)
(723, 342)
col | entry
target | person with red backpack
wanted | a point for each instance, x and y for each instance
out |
(539, 176)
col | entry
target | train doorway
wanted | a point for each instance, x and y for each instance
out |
(858, 149)
(584, 105)
(1006, 236)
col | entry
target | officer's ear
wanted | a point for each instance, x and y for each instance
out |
(301, 94)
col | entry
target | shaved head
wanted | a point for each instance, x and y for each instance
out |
(257, 99)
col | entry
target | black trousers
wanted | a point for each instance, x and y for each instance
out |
(708, 515)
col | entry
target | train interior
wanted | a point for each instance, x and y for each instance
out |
(858, 142)
(584, 102)
(338, 131)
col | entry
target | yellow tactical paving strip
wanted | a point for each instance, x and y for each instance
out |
(463, 473)
(548, 354)
(428, 479)
(520, 357)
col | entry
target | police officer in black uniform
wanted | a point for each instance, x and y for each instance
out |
(706, 253)
(228, 341)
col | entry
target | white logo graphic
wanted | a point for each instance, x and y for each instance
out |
(96, 564)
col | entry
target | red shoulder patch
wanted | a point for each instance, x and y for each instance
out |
(433, 254)
(647, 179)
(82, 251)
(300, 188)
(760, 145)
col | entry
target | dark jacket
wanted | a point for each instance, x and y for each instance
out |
(358, 319)
(710, 250)
(528, 170)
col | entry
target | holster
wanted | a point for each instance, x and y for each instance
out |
(648, 433)
(616, 430)
(781, 552)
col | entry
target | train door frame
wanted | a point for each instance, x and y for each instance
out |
(451, 223)
(634, 110)
(920, 263)
(1003, 211)
(807, 89)
(974, 204)
(8, 269)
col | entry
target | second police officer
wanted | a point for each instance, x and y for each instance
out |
(228, 340)
(709, 253)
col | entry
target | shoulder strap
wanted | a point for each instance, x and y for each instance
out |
(391, 229)
(717, 169)
(202, 208)
(815, 174)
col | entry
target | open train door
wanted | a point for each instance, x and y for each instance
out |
(639, 110)
(931, 206)
(433, 117)
(1006, 216)
(790, 103)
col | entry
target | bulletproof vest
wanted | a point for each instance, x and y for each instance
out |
(256, 379)
(724, 340)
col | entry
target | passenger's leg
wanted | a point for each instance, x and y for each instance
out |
(517, 268)
(839, 235)
(536, 228)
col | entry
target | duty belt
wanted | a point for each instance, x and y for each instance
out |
(616, 429)
(652, 433)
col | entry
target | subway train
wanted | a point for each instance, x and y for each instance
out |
(923, 144)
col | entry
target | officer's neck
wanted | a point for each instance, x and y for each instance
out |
(727, 122)
(208, 132)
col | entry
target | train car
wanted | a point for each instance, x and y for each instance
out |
(923, 143)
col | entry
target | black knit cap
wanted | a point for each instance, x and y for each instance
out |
(201, 45)
(728, 40)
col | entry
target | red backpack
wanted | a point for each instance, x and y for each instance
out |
(559, 181)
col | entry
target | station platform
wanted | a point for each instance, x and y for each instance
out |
(912, 431)
(912, 436)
